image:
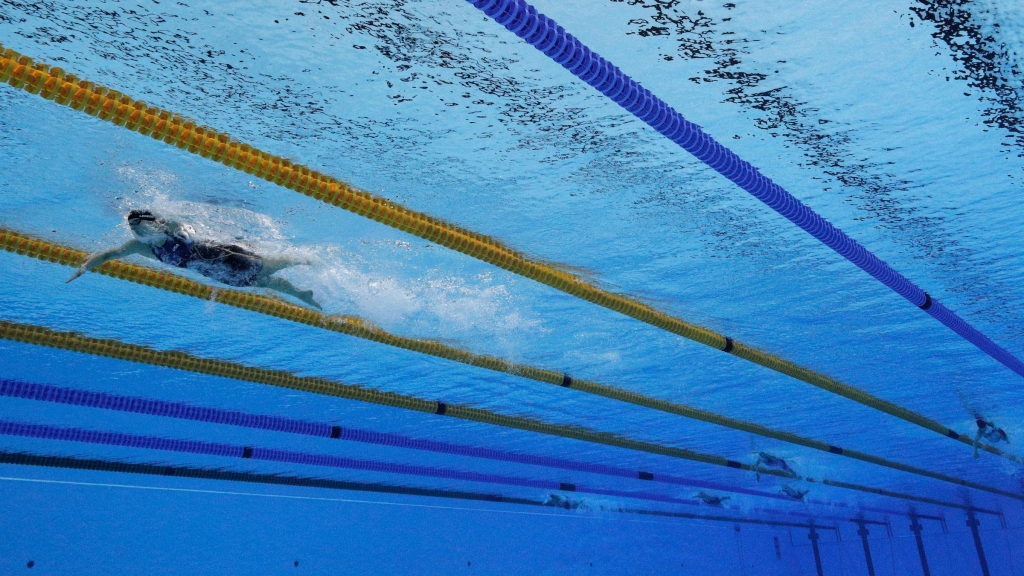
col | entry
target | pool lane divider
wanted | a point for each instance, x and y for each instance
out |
(11, 428)
(95, 464)
(112, 106)
(24, 245)
(219, 474)
(255, 453)
(40, 336)
(544, 34)
(138, 405)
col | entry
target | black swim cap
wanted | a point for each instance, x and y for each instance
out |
(141, 215)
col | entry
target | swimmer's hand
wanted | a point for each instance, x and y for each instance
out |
(101, 258)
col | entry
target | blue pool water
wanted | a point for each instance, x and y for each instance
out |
(898, 122)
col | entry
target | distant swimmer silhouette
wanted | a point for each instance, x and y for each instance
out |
(988, 431)
(766, 460)
(173, 244)
(711, 499)
(794, 493)
(559, 501)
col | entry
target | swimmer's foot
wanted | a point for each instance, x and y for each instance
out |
(307, 297)
(282, 286)
(273, 265)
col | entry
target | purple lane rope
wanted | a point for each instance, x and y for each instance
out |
(220, 474)
(546, 35)
(9, 428)
(78, 397)
(137, 405)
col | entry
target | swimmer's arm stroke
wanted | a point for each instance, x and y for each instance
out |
(99, 258)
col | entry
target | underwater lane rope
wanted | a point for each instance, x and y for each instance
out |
(65, 89)
(40, 336)
(546, 35)
(46, 251)
(272, 455)
(138, 405)
(77, 463)
(9, 428)
(891, 494)
(21, 244)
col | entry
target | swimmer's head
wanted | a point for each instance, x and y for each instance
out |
(146, 226)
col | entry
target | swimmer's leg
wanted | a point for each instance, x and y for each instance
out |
(285, 287)
(272, 265)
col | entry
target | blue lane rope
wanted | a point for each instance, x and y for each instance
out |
(138, 405)
(220, 474)
(546, 35)
(165, 470)
(9, 428)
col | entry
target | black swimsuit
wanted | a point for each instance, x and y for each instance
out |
(227, 263)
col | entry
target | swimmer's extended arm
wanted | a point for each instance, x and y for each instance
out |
(127, 249)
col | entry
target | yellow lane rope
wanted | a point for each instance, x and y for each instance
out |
(75, 342)
(24, 245)
(891, 494)
(182, 361)
(112, 106)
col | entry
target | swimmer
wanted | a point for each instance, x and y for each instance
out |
(770, 461)
(559, 501)
(711, 499)
(172, 243)
(794, 493)
(988, 431)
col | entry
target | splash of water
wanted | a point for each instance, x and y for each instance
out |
(388, 283)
